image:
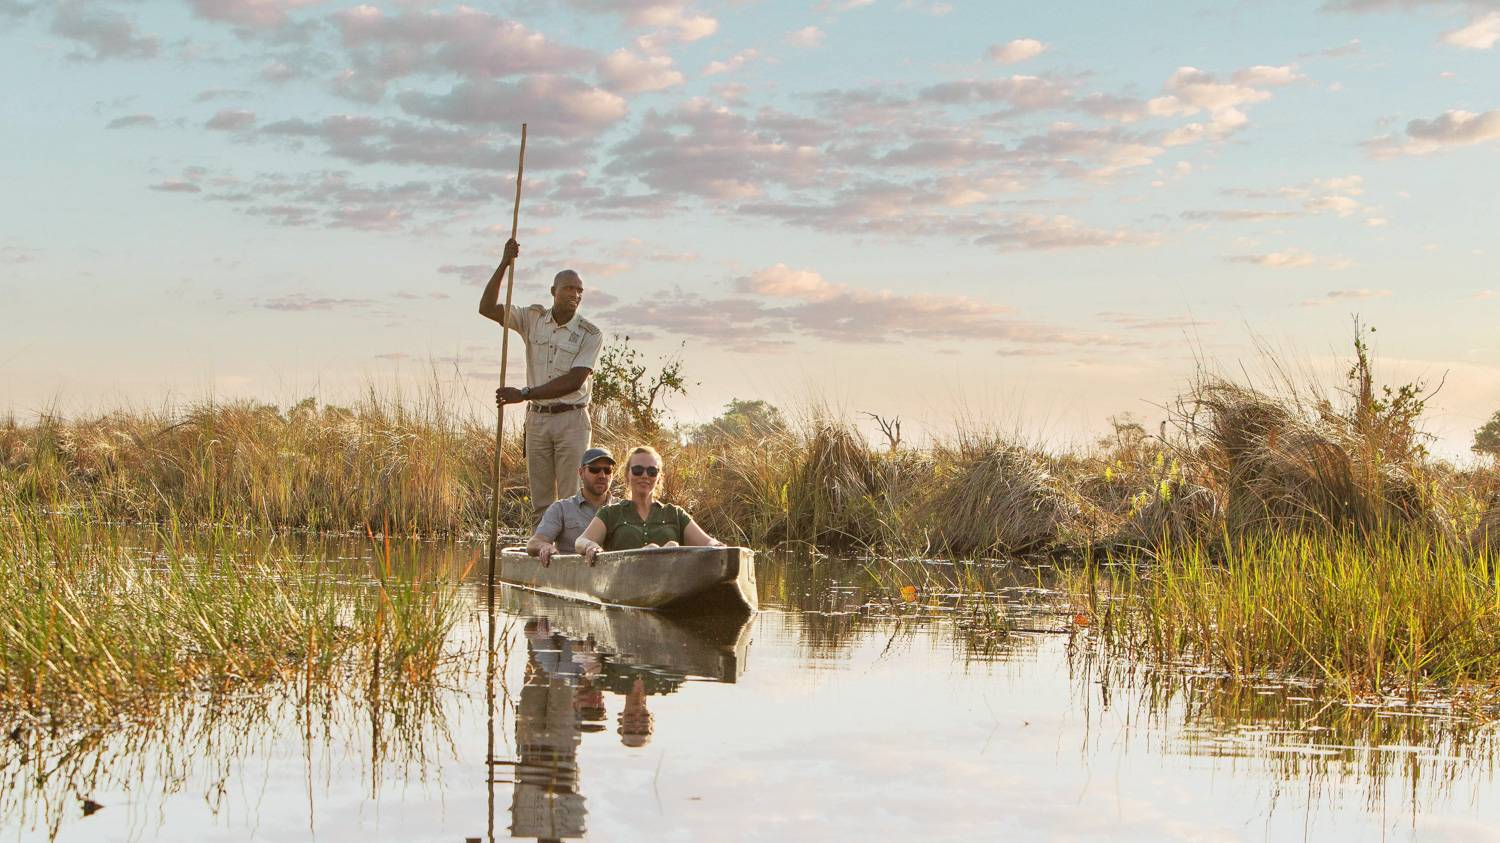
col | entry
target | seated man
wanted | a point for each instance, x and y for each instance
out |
(565, 520)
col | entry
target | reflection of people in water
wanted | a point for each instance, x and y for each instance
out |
(546, 803)
(635, 720)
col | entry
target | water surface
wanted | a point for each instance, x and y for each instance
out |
(840, 712)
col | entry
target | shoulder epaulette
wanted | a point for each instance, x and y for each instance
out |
(588, 327)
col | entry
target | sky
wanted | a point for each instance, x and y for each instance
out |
(1024, 216)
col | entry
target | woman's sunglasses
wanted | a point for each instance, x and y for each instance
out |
(648, 470)
(601, 469)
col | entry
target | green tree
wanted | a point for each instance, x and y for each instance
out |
(1487, 438)
(627, 388)
(741, 420)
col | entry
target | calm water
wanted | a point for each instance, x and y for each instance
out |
(837, 713)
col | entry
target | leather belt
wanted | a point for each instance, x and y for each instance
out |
(554, 408)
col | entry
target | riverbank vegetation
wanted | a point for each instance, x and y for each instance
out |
(1268, 526)
(98, 623)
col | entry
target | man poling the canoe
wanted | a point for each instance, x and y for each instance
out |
(641, 520)
(561, 349)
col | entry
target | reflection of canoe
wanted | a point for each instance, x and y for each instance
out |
(709, 646)
(681, 580)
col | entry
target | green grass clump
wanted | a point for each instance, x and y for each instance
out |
(1391, 612)
(91, 627)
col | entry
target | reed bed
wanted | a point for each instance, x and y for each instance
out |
(92, 626)
(1232, 459)
(1390, 612)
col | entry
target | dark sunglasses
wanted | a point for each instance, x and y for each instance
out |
(648, 470)
(600, 469)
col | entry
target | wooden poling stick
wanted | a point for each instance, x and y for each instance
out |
(510, 286)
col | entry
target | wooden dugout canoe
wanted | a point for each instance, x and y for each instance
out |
(679, 580)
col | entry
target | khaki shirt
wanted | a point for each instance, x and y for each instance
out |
(553, 349)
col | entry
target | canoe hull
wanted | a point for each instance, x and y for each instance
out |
(679, 580)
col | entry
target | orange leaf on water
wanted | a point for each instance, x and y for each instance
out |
(1082, 619)
(909, 593)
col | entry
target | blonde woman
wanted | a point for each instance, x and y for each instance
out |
(641, 520)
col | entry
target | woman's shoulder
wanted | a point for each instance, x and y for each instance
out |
(612, 511)
(673, 512)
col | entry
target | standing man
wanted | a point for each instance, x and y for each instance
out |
(561, 349)
(565, 520)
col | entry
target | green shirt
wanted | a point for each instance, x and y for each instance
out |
(624, 529)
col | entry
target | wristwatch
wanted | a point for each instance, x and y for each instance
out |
(525, 393)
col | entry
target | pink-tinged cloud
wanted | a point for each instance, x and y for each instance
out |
(1449, 130)
(1136, 322)
(366, 140)
(231, 120)
(1190, 91)
(133, 121)
(291, 216)
(706, 150)
(674, 20)
(731, 64)
(1238, 215)
(806, 38)
(555, 106)
(251, 14)
(1292, 259)
(477, 274)
(1481, 33)
(1021, 93)
(1339, 296)
(626, 72)
(106, 33)
(300, 302)
(781, 281)
(1013, 52)
(1044, 233)
(369, 218)
(468, 42)
(176, 186)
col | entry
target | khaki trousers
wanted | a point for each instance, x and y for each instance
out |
(555, 443)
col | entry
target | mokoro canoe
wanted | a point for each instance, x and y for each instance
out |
(705, 646)
(679, 580)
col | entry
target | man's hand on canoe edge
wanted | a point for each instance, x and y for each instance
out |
(544, 554)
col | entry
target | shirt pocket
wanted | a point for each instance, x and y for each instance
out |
(567, 348)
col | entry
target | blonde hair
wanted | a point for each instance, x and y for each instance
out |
(644, 449)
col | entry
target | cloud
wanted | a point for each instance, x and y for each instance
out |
(781, 281)
(107, 33)
(1016, 51)
(477, 274)
(132, 121)
(177, 186)
(673, 20)
(1481, 33)
(467, 42)
(250, 14)
(1190, 91)
(1022, 92)
(231, 120)
(1335, 296)
(706, 150)
(298, 302)
(1037, 232)
(557, 106)
(1237, 215)
(627, 73)
(1487, 295)
(780, 303)
(366, 140)
(807, 38)
(1291, 259)
(731, 64)
(16, 9)
(1136, 322)
(1448, 130)
(221, 94)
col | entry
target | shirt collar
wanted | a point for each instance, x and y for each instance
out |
(571, 324)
